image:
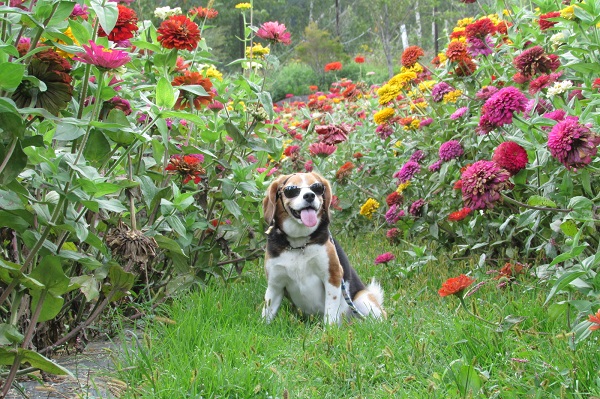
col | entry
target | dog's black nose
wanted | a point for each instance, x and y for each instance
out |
(309, 197)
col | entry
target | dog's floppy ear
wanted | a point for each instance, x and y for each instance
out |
(270, 200)
(327, 195)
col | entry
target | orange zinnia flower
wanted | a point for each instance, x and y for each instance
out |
(595, 318)
(178, 32)
(455, 285)
(333, 66)
(187, 99)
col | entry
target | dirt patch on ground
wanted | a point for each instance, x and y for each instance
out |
(93, 372)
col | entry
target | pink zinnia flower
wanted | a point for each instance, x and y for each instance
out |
(440, 90)
(482, 183)
(556, 115)
(498, 110)
(572, 143)
(393, 235)
(459, 113)
(407, 172)
(384, 258)
(511, 156)
(102, 57)
(394, 214)
(384, 131)
(274, 32)
(417, 156)
(434, 167)
(321, 149)
(79, 11)
(486, 92)
(416, 207)
(450, 150)
(308, 166)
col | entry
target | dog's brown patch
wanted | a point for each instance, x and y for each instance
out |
(336, 273)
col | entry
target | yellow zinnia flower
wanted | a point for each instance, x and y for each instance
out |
(383, 116)
(257, 51)
(387, 93)
(426, 85)
(452, 97)
(568, 12)
(369, 208)
(243, 6)
(464, 22)
(402, 186)
(212, 72)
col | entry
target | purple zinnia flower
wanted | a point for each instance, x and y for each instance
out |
(459, 113)
(407, 172)
(439, 90)
(476, 46)
(450, 150)
(482, 183)
(417, 156)
(501, 106)
(416, 207)
(384, 258)
(434, 167)
(384, 131)
(79, 11)
(572, 143)
(394, 214)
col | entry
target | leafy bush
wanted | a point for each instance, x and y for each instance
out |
(294, 78)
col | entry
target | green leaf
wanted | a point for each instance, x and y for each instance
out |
(538, 200)
(9, 334)
(194, 89)
(34, 359)
(107, 13)
(165, 94)
(96, 147)
(10, 271)
(68, 132)
(11, 75)
(569, 227)
(235, 133)
(582, 208)
(176, 225)
(87, 285)
(50, 273)
(562, 282)
(120, 281)
(10, 201)
(233, 207)
(15, 165)
(168, 244)
(265, 99)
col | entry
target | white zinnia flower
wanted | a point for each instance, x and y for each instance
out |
(559, 87)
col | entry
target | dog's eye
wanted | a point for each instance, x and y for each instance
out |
(317, 188)
(291, 191)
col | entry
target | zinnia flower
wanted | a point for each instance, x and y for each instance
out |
(480, 28)
(455, 286)
(407, 172)
(440, 90)
(321, 149)
(187, 166)
(204, 13)
(459, 215)
(384, 258)
(500, 107)
(572, 143)
(368, 208)
(533, 61)
(274, 32)
(382, 116)
(417, 156)
(510, 156)
(53, 71)
(333, 134)
(544, 21)
(393, 235)
(456, 51)
(437, 165)
(482, 183)
(178, 32)
(384, 131)
(344, 171)
(359, 59)
(510, 271)
(80, 11)
(333, 66)
(486, 92)
(187, 99)
(102, 57)
(394, 214)
(411, 55)
(450, 150)
(126, 25)
(465, 67)
(394, 198)
(479, 46)
(416, 207)
(291, 150)
(459, 113)
(595, 320)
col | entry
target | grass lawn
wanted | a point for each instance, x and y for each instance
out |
(429, 347)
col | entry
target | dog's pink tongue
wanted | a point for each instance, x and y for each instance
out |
(308, 217)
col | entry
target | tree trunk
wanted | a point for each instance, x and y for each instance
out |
(337, 18)
(418, 23)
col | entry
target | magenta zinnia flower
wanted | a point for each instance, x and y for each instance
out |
(321, 149)
(572, 143)
(417, 156)
(416, 207)
(450, 150)
(394, 214)
(102, 57)
(407, 172)
(482, 183)
(274, 32)
(498, 110)
(511, 156)
(459, 113)
(384, 258)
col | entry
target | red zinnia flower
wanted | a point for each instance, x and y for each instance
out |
(333, 66)
(187, 166)
(465, 67)
(544, 20)
(291, 150)
(394, 198)
(511, 156)
(187, 99)
(480, 28)
(595, 319)
(459, 215)
(411, 55)
(126, 25)
(313, 88)
(178, 32)
(596, 84)
(533, 61)
(509, 271)
(359, 59)
(344, 171)
(455, 285)
(333, 134)
(201, 12)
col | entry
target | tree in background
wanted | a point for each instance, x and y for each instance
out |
(318, 48)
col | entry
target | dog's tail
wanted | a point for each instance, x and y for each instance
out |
(370, 301)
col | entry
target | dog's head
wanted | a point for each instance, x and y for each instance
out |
(297, 203)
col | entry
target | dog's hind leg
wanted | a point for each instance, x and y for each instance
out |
(369, 301)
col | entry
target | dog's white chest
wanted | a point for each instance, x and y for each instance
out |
(303, 274)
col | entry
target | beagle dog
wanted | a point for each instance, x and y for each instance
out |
(304, 262)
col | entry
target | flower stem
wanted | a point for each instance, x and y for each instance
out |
(537, 208)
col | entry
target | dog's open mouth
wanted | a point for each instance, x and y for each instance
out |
(307, 215)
